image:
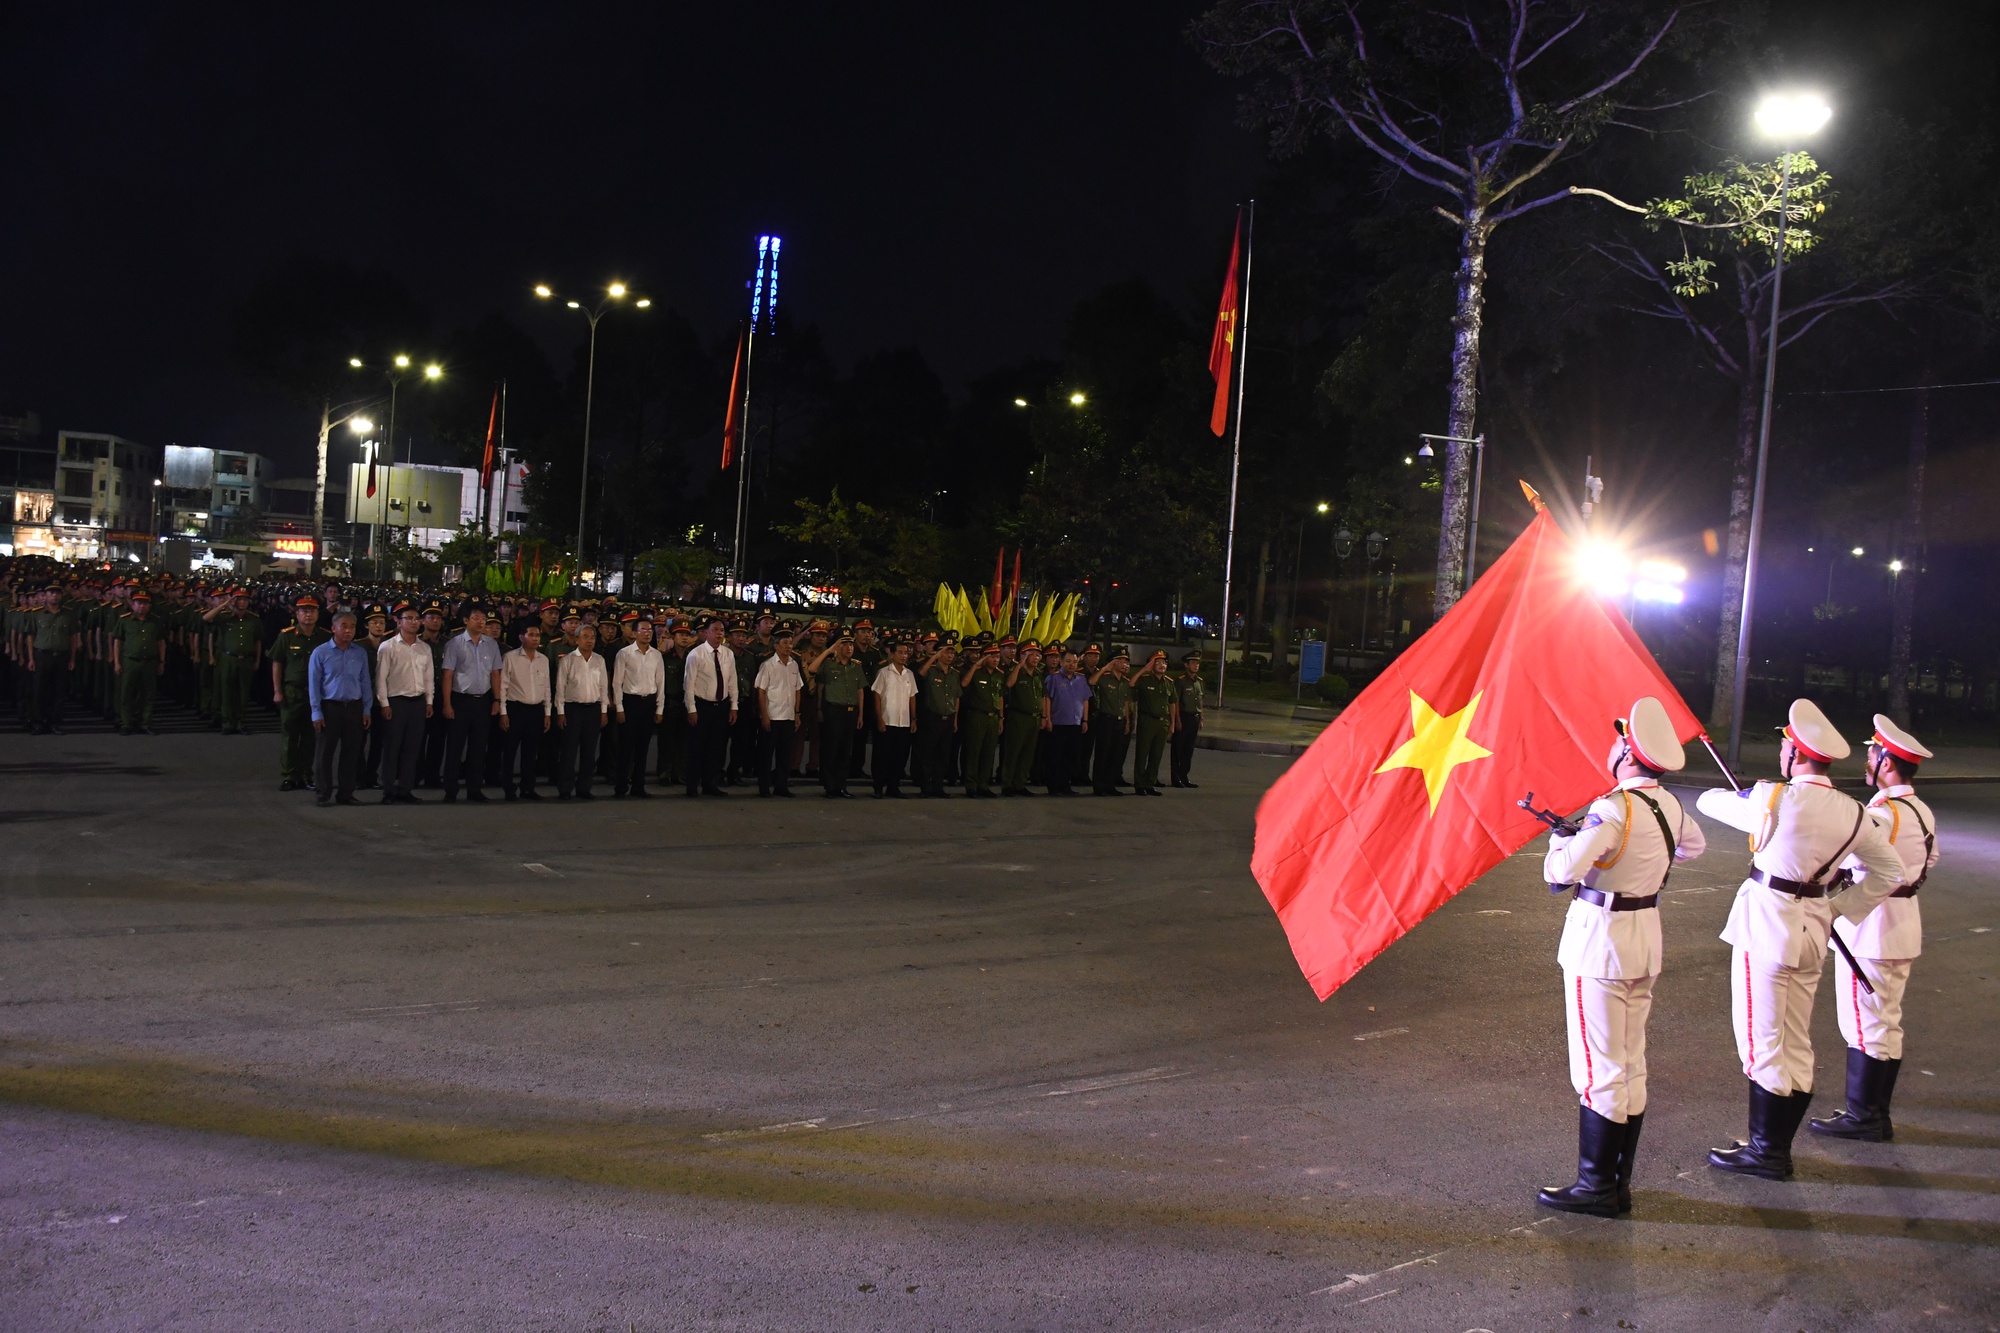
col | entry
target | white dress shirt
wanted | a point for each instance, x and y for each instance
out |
(780, 684)
(525, 679)
(403, 670)
(698, 677)
(582, 680)
(1795, 828)
(1619, 850)
(640, 669)
(895, 691)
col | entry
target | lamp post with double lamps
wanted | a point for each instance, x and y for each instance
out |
(614, 295)
(1786, 118)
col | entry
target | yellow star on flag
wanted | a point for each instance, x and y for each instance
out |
(1438, 744)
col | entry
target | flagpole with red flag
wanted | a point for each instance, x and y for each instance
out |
(1225, 347)
(732, 421)
(486, 470)
(1412, 793)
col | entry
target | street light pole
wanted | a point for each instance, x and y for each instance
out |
(613, 293)
(1785, 118)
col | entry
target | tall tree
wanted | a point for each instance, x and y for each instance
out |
(1477, 103)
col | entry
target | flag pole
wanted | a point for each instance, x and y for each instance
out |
(1236, 456)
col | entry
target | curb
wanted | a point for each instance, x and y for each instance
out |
(1287, 749)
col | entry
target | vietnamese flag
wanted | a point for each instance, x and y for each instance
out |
(371, 474)
(732, 421)
(486, 463)
(1410, 795)
(1222, 343)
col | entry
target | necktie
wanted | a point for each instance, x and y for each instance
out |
(721, 696)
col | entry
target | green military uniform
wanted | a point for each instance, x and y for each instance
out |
(137, 641)
(51, 632)
(239, 643)
(1154, 697)
(1024, 727)
(841, 685)
(1187, 693)
(291, 651)
(872, 659)
(984, 704)
(673, 727)
(938, 692)
(1109, 700)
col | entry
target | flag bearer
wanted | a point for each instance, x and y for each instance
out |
(1885, 942)
(1800, 829)
(1610, 954)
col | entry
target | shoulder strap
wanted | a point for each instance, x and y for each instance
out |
(1770, 818)
(1860, 813)
(1930, 839)
(1660, 818)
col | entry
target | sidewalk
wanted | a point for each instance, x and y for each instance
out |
(1263, 728)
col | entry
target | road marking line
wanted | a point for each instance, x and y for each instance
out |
(1385, 1032)
(541, 869)
(1379, 1296)
(1363, 1279)
(450, 1006)
(1153, 1075)
(785, 1128)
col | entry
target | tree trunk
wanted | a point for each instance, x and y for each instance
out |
(1464, 416)
(1257, 605)
(1909, 550)
(1736, 553)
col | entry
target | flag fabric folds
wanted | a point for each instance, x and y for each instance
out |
(486, 463)
(1410, 794)
(1222, 344)
(371, 474)
(732, 421)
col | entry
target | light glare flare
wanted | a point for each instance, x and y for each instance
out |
(616, 289)
(1605, 568)
(433, 370)
(354, 361)
(1076, 400)
(642, 303)
(542, 291)
(1788, 116)
(360, 425)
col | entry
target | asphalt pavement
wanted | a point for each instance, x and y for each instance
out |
(1023, 1064)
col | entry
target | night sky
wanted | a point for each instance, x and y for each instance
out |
(951, 178)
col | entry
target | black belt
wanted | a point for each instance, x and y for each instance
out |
(1907, 891)
(1616, 902)
(1796, 888)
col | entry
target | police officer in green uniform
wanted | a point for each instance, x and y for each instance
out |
(239, 647)
(437, 726)
(744, 737)
(672, 731)
(983, 708)
(871, 655)
(1027, 717)
(938, 692)
(1110, 723)
(291, 653)
(841, 684)
(1156, 702)
(138, 659)
(1187, 724)
(53, 645)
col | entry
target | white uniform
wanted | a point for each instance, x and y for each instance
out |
(1887, 939)
(1610, 958)
(1798, 831)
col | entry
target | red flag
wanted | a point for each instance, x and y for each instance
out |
(486, 464)
(1222, 344)
(994, 593)
(1410, 795)
(371, 474)
(732, 421)
(1014, 588)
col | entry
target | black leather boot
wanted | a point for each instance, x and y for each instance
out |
(1596, 1190)
(1773, 1122)
(1626, 1149)
(1866, 1115)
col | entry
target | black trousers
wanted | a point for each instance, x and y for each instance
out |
(774, 757)
(1108, 763)
(465, 740)
(1180, 750)
(706, 740)
(892, 751)
(578, 764)
(935, 737)
(857, 763)
(344, 735)
(51, 681)
(1060, 760)
(836, 738)
(522, 740)
(635, 738)
(402, 743)
(437, 734)
(745, 742)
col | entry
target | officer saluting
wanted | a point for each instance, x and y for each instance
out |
(1884, 942)
(1800, 829)
(1610, 954)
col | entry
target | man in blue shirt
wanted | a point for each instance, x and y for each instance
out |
(339, 686)
(1069, 712)
(471, 699)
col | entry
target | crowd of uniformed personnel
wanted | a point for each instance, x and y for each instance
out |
(992, 716)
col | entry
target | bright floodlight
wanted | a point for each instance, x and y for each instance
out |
(542, 291)
(1322, 506)
(573, 305)
(1895, 566)
(1605, 568)
(616, 289)
(402, 363)
(433, 370)
(360, 425)
(1857, 551)
(642, 303)
(1789, 116)
(1076, 400)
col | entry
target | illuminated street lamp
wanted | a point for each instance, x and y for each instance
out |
(1785, 118)
(613, 294)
